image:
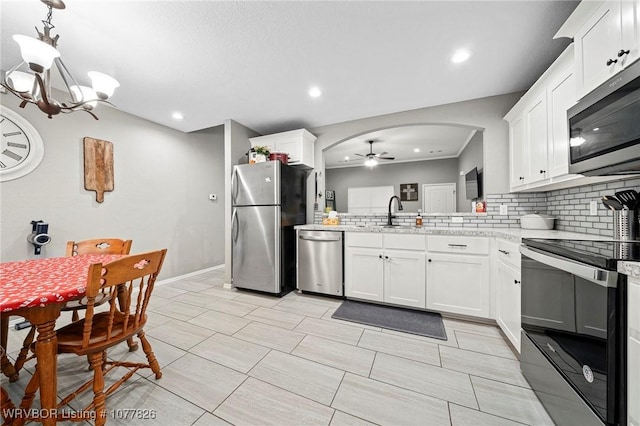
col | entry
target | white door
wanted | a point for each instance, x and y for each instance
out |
(439, 198)
(364, 274)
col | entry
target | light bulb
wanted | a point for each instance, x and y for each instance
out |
(83, 94)
(22, 81)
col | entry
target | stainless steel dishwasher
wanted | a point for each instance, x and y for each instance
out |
(320, 262)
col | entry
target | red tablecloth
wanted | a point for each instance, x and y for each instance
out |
(38, 282)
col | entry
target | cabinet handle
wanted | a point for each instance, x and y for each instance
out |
(504, 251)
(386, 257)
(380, 256)
(457, 245)
(516, 282)
(521, 178)
(543, 171)
(611, 62)
(623, 52)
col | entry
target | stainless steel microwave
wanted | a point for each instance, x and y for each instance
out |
(604, 127)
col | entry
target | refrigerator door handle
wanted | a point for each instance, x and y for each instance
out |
(234, 220)
(233, 186)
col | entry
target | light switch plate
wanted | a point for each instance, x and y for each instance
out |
(504, 210)
(456, 219)
(593, 208)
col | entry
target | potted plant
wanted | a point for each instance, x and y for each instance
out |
(262, 153)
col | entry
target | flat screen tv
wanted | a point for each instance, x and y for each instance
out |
(473, 186)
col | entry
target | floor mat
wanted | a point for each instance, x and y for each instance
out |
(423, 323)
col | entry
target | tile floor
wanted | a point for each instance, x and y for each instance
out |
(234, 357)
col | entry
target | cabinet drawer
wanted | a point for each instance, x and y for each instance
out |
(508, 252)
(405, 242)
(363, 239)
(458, 244)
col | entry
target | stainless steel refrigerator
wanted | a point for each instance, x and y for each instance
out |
(268, 200)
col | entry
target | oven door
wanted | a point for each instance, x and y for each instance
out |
(569, 314)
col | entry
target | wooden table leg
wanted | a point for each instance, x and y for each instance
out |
(44, 318)
(7, 368)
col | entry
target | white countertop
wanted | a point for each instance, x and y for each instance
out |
(512, 234)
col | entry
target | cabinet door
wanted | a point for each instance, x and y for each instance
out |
(536, 139)
(508, 302)
(630, 15)
(290, 146)
(517, 151)
(458, 284)
(363, 270)
(597, 42)
(562, 96)
(404, 278)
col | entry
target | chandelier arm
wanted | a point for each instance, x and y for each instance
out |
(43, 89)
(62, 70)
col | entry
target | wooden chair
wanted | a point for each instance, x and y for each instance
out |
(74, 248)
(132, 278)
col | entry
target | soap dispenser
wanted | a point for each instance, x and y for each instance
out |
(419, 220)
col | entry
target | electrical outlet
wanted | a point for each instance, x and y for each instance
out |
(213, 197)
(456, 219)
(504, 210)
(593, 208)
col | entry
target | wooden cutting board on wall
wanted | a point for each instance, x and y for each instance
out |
(98, 167)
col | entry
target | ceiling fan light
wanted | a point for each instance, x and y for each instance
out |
(38, 54)
(370, 162)
(83, 94)
(103, 84)
(22, 82)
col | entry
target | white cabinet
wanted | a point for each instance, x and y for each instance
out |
(538, 131)
(507, 257)
(387, 268)
(606, 43)
(633, 352)
(297, 143)
(458, 275)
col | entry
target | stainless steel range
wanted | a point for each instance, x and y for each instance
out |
(574, 328)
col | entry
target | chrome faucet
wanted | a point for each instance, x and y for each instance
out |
(389, 216)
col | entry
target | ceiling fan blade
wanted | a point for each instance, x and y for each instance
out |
(387, 158)
(360, 155)
(381, 154)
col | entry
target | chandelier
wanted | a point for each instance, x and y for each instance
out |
(30, 80)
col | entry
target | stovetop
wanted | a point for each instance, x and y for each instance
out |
(603, 254)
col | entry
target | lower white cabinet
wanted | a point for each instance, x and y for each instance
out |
(458, 283)
(364, 273)
(404, 278)
(381, 272)
(633, 352)
(508, 301)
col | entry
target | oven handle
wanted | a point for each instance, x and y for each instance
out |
(591, 273)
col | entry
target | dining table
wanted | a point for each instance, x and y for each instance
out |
(37, 289)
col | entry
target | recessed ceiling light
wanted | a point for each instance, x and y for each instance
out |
(315, 92)
(177, 116)
(596, 129)
(460, 56)
(416, 149)
(346, 158)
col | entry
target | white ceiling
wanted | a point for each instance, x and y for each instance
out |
(254, 61)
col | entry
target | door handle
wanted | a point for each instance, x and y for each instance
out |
(504, 252)
(318, 239)
(233, 185)
(234, 218)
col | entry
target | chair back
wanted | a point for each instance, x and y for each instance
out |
(134, 277)
(99, 246)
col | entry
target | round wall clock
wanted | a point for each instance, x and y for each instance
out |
(21, 149)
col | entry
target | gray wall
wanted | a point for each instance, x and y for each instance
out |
(420, 172)
(470, 157)
(160, 198)
(481, 114)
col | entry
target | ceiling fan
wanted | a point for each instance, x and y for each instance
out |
(372, 157)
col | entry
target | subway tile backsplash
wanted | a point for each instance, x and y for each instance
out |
(570, 207)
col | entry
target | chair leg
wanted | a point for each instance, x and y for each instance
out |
(5, 365)
(26, 346)
(74, 315)
(99, 399)
(151, 358)
(7, 407)
(133, 345)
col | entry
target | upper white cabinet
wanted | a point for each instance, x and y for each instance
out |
(607, 42)
(538, 131)
(297, 143)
